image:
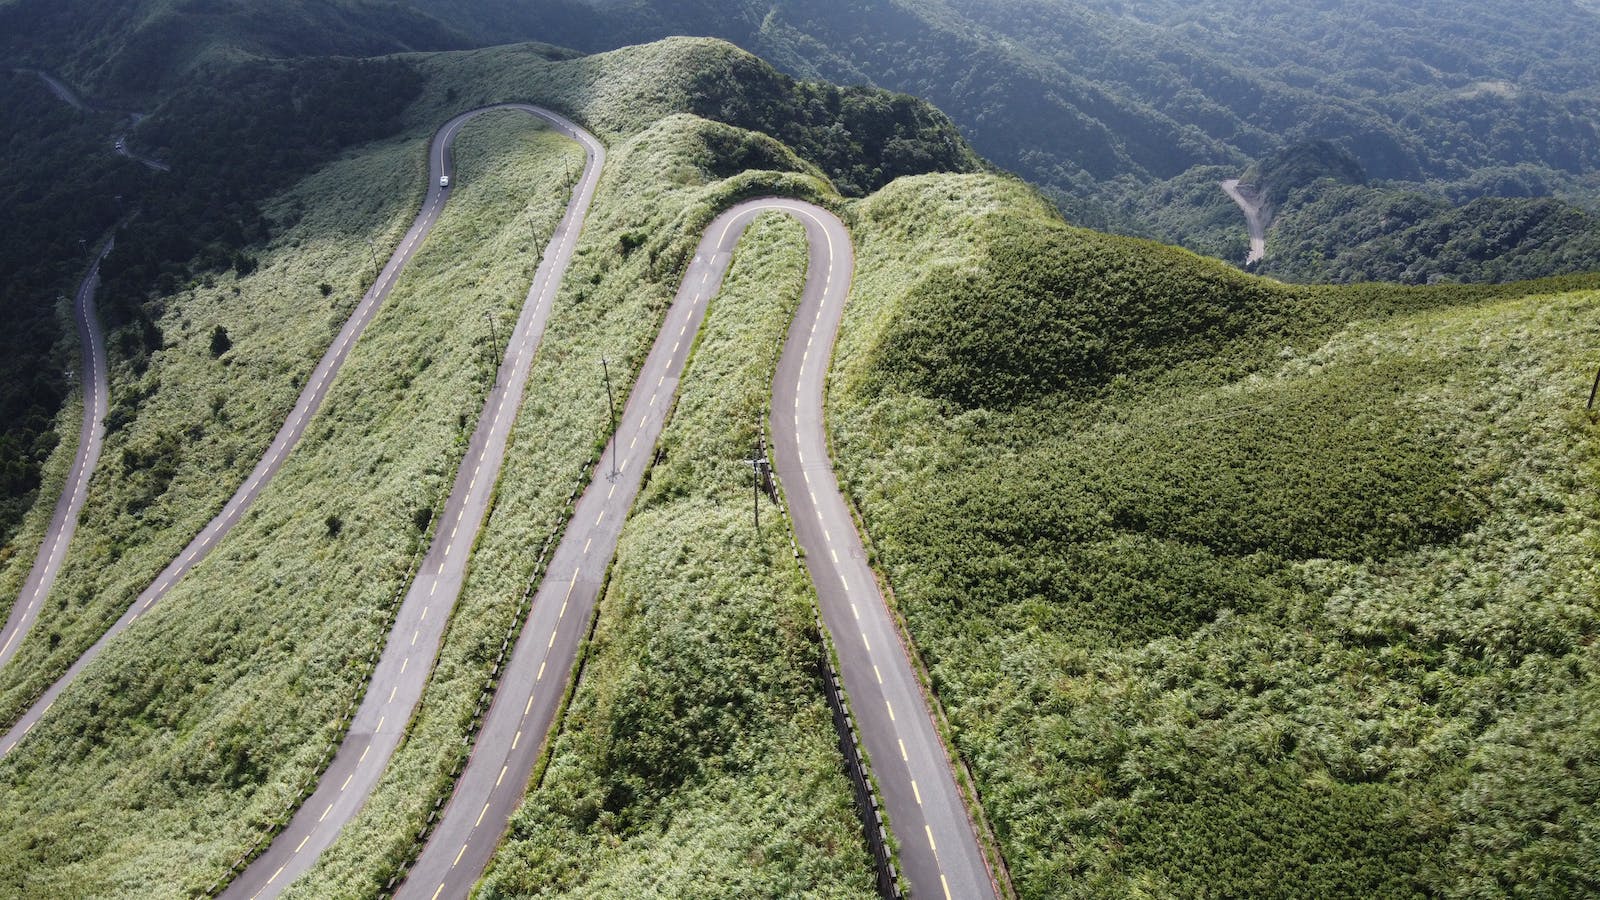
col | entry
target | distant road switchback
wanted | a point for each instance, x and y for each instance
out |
(1253, 220)
(120, 144)
(91, 432)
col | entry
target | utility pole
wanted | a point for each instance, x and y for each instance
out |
(373, 250)
(759, 470)
(533, 234)
(1594, 390)
(494, 346)
(611, 404)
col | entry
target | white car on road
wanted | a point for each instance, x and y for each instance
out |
(444, 181)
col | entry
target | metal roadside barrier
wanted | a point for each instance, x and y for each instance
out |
(868, 808)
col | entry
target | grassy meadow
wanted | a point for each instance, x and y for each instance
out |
(184, 741)
(1228, 587)
(184, 434)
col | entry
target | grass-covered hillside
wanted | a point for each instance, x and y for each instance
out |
(1229, 587)
(696, 759)
(182, 743)
(204, 230)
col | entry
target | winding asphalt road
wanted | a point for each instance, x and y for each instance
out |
(91, 434)
(70, 97)
(940, 851)
(402, 672)
(1252, 218)
(305, 408)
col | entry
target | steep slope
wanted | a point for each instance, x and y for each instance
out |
(1230, 587)
(172, 719)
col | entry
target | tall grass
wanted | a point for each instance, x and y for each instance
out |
(697, 757)
(1298, 598)
(184, 740)
(656, 184)
(193, 425)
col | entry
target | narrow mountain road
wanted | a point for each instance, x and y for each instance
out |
(402, 672)
(939, 848)
(1253, 219)
(300, 416)
(91, 435)
(67, 95)
(91, 432)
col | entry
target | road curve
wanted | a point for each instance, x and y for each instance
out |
(294, 426)
(67, 95)
(402, 672)
(91, 434)
(939, 850)
(1253, 218)
(519, 721)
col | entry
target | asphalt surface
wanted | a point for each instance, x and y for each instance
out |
(939, 851)
(91, 434)
(519, 720)
(305, 408)
(402, 672)
(1252, 217)
(919, 790)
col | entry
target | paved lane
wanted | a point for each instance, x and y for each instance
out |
(91, 435)
(305, 408)
(939, 850)
(402, 672)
